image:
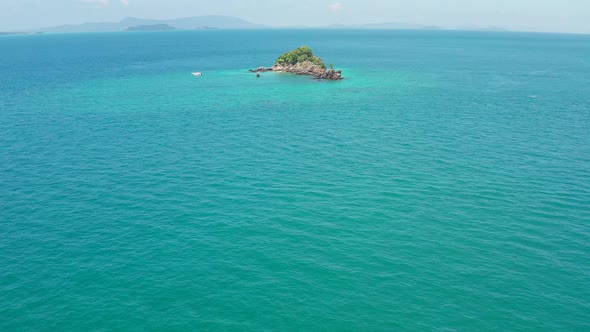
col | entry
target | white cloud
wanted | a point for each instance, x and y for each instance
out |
(125, 2)
(336, 7)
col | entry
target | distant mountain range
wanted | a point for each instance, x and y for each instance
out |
(187, 23)
(222, 22)
(151, 27)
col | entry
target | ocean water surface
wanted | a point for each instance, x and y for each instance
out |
(443, 185)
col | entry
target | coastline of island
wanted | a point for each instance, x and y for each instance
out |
(302, 61)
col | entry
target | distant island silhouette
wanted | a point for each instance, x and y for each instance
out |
(210, 22)
(133, 23)
(151, 27)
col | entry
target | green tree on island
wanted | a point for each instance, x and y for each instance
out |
(301, 54)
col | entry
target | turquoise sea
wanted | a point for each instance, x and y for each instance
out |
(444, 185)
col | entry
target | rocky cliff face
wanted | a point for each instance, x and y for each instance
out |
(330, 74)
(302, 62)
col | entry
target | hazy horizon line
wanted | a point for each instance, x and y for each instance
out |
(356, 26)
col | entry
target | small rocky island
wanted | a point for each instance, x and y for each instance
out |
(302, 61)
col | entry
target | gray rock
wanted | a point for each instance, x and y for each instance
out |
(304, 68)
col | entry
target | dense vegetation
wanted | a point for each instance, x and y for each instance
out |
(301, 54)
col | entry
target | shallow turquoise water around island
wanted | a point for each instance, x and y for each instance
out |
(444, 185)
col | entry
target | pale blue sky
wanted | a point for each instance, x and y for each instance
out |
(528, 15)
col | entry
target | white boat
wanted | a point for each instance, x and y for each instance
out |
(197, 73)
